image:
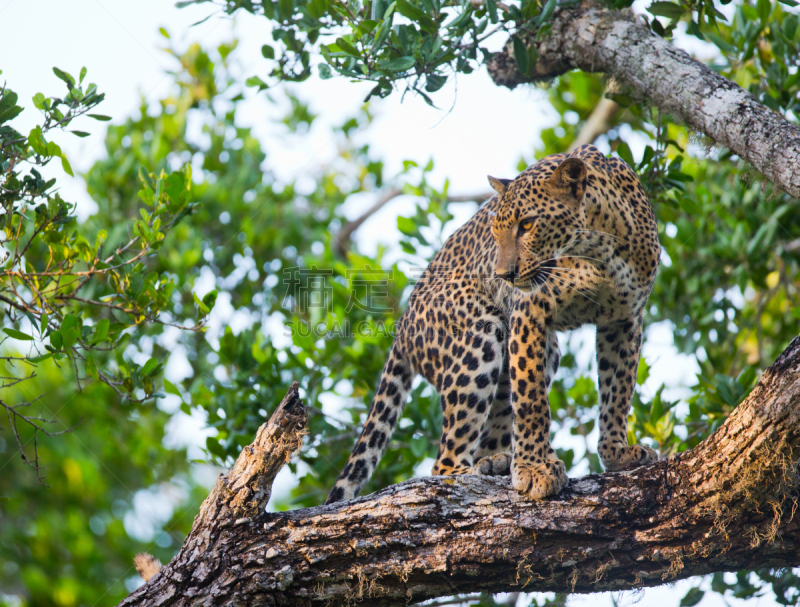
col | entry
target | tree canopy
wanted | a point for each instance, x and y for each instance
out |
(192, 225)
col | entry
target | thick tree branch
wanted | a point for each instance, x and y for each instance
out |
(599, 40)
(727, 505)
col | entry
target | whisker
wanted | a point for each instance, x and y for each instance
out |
(614, 236)
(574, 288)
(578, 257)
(569, 270)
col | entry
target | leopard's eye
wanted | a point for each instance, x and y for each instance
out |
(526, 225)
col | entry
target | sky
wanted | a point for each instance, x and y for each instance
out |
(480, 129)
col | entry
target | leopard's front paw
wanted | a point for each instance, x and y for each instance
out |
(539, 481)
(617, 456)
(498, 464)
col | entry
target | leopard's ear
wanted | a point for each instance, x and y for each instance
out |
(569, 178)
(499, 185)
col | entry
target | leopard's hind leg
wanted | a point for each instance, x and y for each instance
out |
(471, 372)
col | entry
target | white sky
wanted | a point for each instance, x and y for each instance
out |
(487, 131)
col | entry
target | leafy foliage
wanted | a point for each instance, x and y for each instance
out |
(419, 42)
(53, 276)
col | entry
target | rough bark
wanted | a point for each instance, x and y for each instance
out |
(593, 39)
(727, 505)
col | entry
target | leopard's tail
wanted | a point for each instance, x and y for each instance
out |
(387, 406)
(147, 565)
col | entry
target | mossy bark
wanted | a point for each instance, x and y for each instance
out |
(727, 505)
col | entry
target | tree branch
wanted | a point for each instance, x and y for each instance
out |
(724, 506)
(597, 124)
(344, 236)
(599, 40)
(346, 232)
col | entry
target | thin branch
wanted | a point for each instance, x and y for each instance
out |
(344, 236)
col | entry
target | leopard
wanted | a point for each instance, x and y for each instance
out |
(570, 241)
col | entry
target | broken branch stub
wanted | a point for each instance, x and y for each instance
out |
(237, 498)
(250, 480)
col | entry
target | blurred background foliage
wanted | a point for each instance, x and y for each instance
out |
(260, 295)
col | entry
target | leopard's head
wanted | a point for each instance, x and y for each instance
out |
(540, 213)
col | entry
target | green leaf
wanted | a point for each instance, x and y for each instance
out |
(209, 299)
(256, 81)
(17, 335)
(213, 446)
(521, 55)
(401, 64)
(721, 44)
(83, 74)
(347, 47)
(65, 165)
(80, 133)
(38, 359)
(163, 32)
(70, 321)
(384, 29)
(145, 177)
(38, 101)
(433, 82)
(764, 9)
(149, 366)
(491, 10)
(461, 19)
(324, 71)
(378, 9)
(406, 225)
(624, 152)
(666, 9)
(416, 14)
(90, 366)
(546, 12)
(694, 596)
(268, 52)
(36, 141)
(171, 388)
(419, 446)
(70, 337)
(56, 340)
(10, 113)
(65, 77)
(99, 117)
(101, 330)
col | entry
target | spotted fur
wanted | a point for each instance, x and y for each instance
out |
(570, 241)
